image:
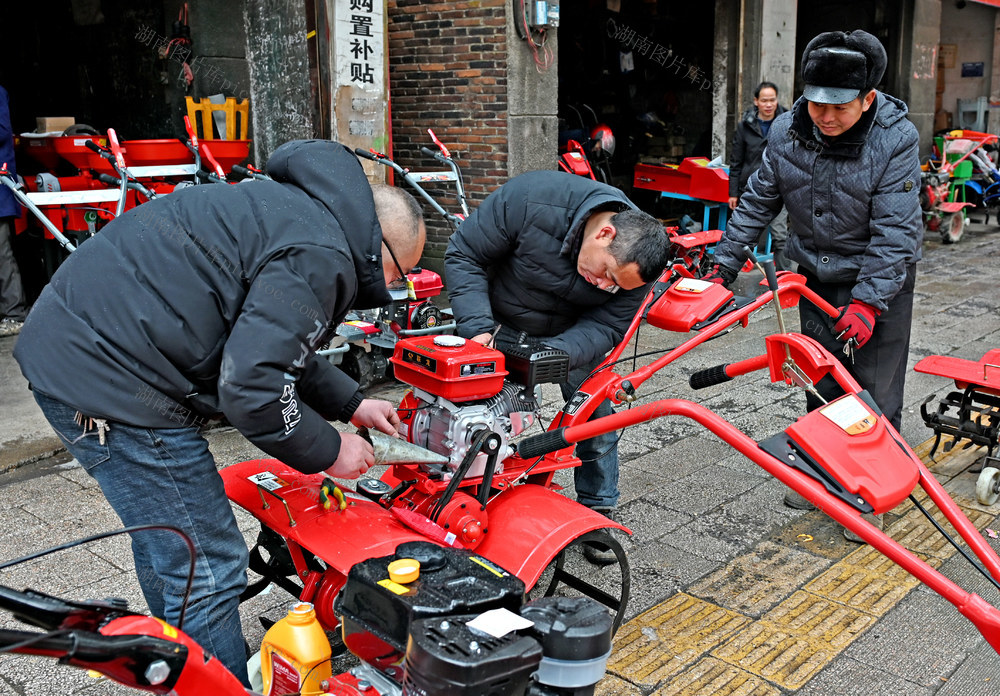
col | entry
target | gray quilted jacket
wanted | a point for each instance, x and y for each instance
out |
(853, 204)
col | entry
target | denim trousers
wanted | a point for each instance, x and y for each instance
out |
(596, 479)
(168, 476)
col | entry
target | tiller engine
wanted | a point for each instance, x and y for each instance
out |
(366, 338)
(455, 480)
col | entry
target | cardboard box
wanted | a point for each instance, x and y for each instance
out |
(49, 124)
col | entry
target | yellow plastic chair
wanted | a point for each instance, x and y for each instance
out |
(231, 107)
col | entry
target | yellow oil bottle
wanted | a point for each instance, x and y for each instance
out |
(295, 654)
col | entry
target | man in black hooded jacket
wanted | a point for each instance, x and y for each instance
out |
(566, 261)
(211, 301)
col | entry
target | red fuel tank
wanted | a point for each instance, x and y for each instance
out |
(449, 366)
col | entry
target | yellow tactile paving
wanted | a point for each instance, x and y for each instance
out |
(613, 686)
(755, 582)
(711, 676)
(916, 533)
(865, 580)
(691, 647)
(780, 656)
(795, 640)
(670, 637)
(811, 615)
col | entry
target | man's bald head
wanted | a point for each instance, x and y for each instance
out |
(403, 228)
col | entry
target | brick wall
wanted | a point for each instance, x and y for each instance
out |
(448, 72)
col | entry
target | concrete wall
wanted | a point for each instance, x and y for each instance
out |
(777, 59)
(755, 46)
(533, 126)
(971, 30)
(916, 71)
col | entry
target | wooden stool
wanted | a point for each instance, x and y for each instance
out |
(231, 108)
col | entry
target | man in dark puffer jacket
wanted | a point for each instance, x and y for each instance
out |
(567, 261)
(745, 153)
(844, 162)
(210, 301)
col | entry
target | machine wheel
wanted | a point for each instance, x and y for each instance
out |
(570, 574)
(359, 366)
(988, 486)
(952, 227)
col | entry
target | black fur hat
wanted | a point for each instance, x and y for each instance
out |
(838, 67)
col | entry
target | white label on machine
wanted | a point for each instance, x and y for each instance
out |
(693, 285)
(499, 622)
(849, 414)
(267, 480)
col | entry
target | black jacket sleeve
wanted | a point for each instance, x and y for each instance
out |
(484, 239)
(599, 330)
(270, 353)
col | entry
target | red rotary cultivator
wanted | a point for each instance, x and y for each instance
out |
(472, 484)
(86, 179)
(470, 507)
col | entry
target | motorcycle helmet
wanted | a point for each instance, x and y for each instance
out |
(603, 137)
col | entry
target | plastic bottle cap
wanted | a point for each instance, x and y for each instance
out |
(301, 608)
(404, 570)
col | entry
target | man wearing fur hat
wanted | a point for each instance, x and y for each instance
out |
(844, 162)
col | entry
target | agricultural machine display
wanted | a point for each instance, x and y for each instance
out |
(460, 622)
(109, 178)
(969, 417)
(478, 487)
(962, 167)
(365, 340)
(465, 487)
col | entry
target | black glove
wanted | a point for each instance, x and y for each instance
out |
(723, 275)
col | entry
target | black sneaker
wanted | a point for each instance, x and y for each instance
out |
(10, 327)
(594, 551)
(794, 499)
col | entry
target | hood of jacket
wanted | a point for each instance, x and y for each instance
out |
(310, 166)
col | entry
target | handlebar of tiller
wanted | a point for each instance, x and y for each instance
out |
(116, 149)
(249, 172)
(134, 185)
(216, 167)
(444, 150)
(192, 136)
(436, 155)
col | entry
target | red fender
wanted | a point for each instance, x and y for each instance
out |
(341, 538)
(529, 525)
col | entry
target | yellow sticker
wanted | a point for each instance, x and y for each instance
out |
(168, 630)
(393, 586)
(489, 566)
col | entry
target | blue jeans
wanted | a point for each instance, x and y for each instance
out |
(167, 476)
(596, 479)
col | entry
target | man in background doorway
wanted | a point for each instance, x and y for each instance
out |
(749, 141)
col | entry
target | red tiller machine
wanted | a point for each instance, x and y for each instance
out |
(498, 498)
(75, 207)
(482, 516)
(970, 416)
